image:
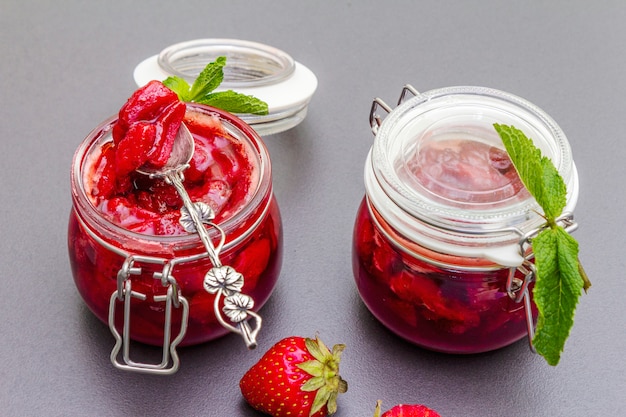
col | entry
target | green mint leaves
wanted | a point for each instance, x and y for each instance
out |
(559, 275)
(201, 91)
(541, 178)
(557, 288)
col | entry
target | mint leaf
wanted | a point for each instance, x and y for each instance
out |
(179, 86)
(209, 79)
(583, 274)
(559, 276)
(201, 91)
(557, 289)
(537, 172)
(234, 102)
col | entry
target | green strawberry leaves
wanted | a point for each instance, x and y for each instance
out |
(297, 376)
(202, 91)
(324, 369)
(559, 274)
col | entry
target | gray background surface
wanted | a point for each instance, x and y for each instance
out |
(67, 65)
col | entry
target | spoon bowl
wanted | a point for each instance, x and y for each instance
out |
(182, 152)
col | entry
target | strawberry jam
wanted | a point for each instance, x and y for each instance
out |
(126, 224)
(440, 255)
(458, 306)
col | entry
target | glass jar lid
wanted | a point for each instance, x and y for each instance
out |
(252, 68)
(438, 168)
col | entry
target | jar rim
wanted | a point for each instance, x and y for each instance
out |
(406, 204)
(236, 127)
(250, 63)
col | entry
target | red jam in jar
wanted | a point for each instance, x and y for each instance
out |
(438, 238)
(131, 233)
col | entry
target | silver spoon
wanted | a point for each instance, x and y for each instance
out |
(172, 173)
(194, 216)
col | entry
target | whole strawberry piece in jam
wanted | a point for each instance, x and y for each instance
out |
(297, 377)
(146, 128)
(406, 410)
(146, 104)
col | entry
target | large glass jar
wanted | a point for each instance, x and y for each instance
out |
(164, 274)
(441, 252)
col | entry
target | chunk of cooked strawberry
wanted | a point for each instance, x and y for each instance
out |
(385, 259)
(252, 262)
(206, 125)
(132, 151)
(424, 291)
(146, 104)
(199, 164)
(146, 127)
(126, 214)
(167, 123)
(216, 193)
(105, 172)
(157, 196)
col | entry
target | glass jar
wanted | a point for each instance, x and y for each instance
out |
(441, 252)
(170, 302)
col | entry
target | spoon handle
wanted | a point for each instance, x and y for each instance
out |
(176, 179)
(219, 280)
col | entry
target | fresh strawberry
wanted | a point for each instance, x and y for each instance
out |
(297, 377)
(405, 410)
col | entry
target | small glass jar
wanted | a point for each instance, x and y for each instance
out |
(169, 303)
(441, 252)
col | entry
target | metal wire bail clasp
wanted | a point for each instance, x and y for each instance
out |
(375, 118)
(169, 362)
(517, 288)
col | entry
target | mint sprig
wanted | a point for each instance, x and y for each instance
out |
(559, 275)
(202, 91)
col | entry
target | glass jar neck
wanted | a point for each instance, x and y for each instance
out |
(472, 223)
(236, 227)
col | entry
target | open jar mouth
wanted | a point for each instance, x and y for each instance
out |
(412, 194)
(255, 200)
(250, 64)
